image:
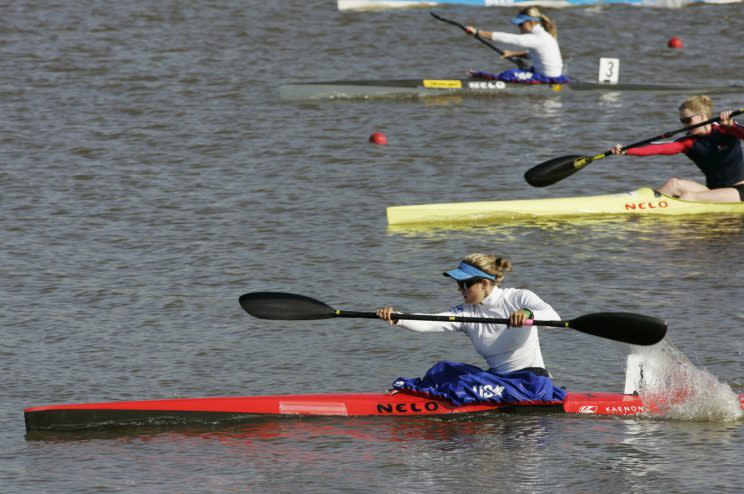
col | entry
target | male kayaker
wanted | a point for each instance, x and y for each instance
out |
(539, 39)
(715, 149)
(516, 369)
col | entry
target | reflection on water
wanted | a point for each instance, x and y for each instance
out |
(610, 100)
(299, 428)
(650, 448)
(443, 100)
(551, 108)
(621, 226)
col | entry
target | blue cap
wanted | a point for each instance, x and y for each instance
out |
(465, 271)
(522, 18)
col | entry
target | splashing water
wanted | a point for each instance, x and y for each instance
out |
(672, 387)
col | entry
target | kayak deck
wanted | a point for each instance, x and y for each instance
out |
(391, 88)
(643, 201)
(230, 409)
(236, 409)
(404, 88)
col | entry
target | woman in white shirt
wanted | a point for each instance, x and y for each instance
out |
(512, 352)
(538, 41)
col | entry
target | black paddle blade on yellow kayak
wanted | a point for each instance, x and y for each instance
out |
(555, 170)
(285, 306)
(626, 327)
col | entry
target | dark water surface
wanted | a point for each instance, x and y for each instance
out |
(150, 176)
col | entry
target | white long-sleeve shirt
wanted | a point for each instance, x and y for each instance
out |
(505, 349)
(541, 47)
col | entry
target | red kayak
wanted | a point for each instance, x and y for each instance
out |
(235, 409)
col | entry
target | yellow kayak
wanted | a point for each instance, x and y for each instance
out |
(643, 201)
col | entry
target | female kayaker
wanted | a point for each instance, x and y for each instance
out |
(715, 149)
(516, 367)
(538, 39)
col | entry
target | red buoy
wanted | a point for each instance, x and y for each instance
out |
(378, 138)
(675, 42)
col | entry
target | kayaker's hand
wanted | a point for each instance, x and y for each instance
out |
(617, 149)
(386, 315)
(726, 119)
(517, 318)
(472, 31)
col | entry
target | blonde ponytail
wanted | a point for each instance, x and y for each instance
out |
(491, 264)
(546, 22)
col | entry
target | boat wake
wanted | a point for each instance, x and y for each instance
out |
(665, 377)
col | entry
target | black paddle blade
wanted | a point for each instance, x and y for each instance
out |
(626, 327)
(284, 306)
(554, 170)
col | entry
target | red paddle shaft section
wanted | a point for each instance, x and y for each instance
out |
(183, 410)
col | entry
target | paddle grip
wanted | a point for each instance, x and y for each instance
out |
(358, 315)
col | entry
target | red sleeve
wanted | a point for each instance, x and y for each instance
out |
(674, 147)
(736, 130)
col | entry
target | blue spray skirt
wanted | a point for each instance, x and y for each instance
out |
(465, 384)
(521, 76)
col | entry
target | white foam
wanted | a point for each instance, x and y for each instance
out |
(674, 388)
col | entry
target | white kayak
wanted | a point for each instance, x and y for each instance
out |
(392, 4)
